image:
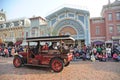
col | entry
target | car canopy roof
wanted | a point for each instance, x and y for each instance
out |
(50, 38)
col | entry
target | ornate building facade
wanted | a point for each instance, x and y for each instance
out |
(2, 16)
(65, 21)
(70, 21)
(107, 27)
(38, 27)
(13, 30)
(18, 29)
(2, 19)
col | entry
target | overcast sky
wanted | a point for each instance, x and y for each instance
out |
(27, 8)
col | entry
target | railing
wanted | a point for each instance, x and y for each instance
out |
(9, 39)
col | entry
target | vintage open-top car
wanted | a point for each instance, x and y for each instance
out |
(49, 51)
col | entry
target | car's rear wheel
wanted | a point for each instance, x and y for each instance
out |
(17, 62)
(66, 64)
(57, 65)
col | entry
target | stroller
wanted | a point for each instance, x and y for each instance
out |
(77, 55)
(102, 57)
(116, 53)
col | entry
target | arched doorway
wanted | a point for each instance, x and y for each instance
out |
(67, 30)
(70, 27)
(69, 23)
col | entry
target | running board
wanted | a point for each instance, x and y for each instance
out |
(36, 65)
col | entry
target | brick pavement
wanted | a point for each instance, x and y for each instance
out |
(77, 70)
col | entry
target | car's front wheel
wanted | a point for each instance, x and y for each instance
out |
(56, 65)
(17, 62)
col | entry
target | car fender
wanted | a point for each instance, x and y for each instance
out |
(20, 56)
(54, 58)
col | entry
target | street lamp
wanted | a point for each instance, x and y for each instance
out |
(13, 40)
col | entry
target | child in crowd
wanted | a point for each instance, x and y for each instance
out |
(13, 51)
(6, 53)
(92, 57)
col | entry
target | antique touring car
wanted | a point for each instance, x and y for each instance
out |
(47, 51)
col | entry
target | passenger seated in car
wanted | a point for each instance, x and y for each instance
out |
(63, 48)
(45, 47)
(53, 46)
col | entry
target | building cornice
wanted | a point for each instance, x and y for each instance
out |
(38, 17)
(67, 9)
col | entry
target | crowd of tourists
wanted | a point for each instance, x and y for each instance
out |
(11, 50)
(92, 53)
(97, 52)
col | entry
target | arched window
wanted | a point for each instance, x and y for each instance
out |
(4, 25)
(20, 23)
(11, 25)
(1, 18)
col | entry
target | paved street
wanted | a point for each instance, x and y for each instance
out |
(78, 70)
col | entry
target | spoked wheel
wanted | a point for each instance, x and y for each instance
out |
(17, 62)
(57, 65)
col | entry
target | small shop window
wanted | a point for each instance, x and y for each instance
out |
(62, 16)
(71, 15)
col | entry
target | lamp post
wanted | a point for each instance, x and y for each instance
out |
(13, 40)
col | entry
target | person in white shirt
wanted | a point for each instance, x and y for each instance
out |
(108, 51)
